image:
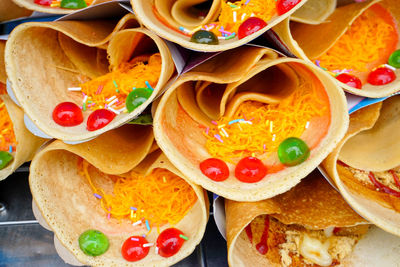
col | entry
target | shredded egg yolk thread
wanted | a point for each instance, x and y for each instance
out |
(120, 82)
(364, 42)
(160, 197)
(262, 127)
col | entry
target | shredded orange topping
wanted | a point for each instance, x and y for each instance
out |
(364, 42)
(7, 136)
(160, 197)
(233, 14)
(264, 126)
(3, 89)
(120, 82)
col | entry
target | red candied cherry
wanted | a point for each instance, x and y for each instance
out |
(284, 6)
(349, 80)
(134, 248)
(67, 114)
(250, 26)
(99, 118)
(43, 2)
(215, 169)
(250, 170)
(169, 242)
(381, 76)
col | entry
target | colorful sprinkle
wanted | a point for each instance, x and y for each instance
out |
(389, 67)
(225, 133)
(99, 89)
(148, 245)
(137, 223)
(149, 86)
(113, 102)
(10, 149)
(113, 110)
(184, 237)
(235, 121)
(111, 98)
(218, 137)
(148, 225)
(97, 196)
(115, 84)
(184, 30)
(74, 89)
(230, 36)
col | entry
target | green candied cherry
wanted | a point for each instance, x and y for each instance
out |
(293, 151)
(93, 242)
(73, 4)
(394, 59)
(5, 158)
(137, 97)
(204, 37)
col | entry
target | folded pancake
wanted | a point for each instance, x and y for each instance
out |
(188, 13)
(123, 186)
(365, 164)
(9, 10)
(310, 225)
(17, 144)
(245, 103)
(314, 11)
(95, 65)
(57, 6)
(179, 20)
(357, 45)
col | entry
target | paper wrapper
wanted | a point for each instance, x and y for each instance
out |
(62, 195)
